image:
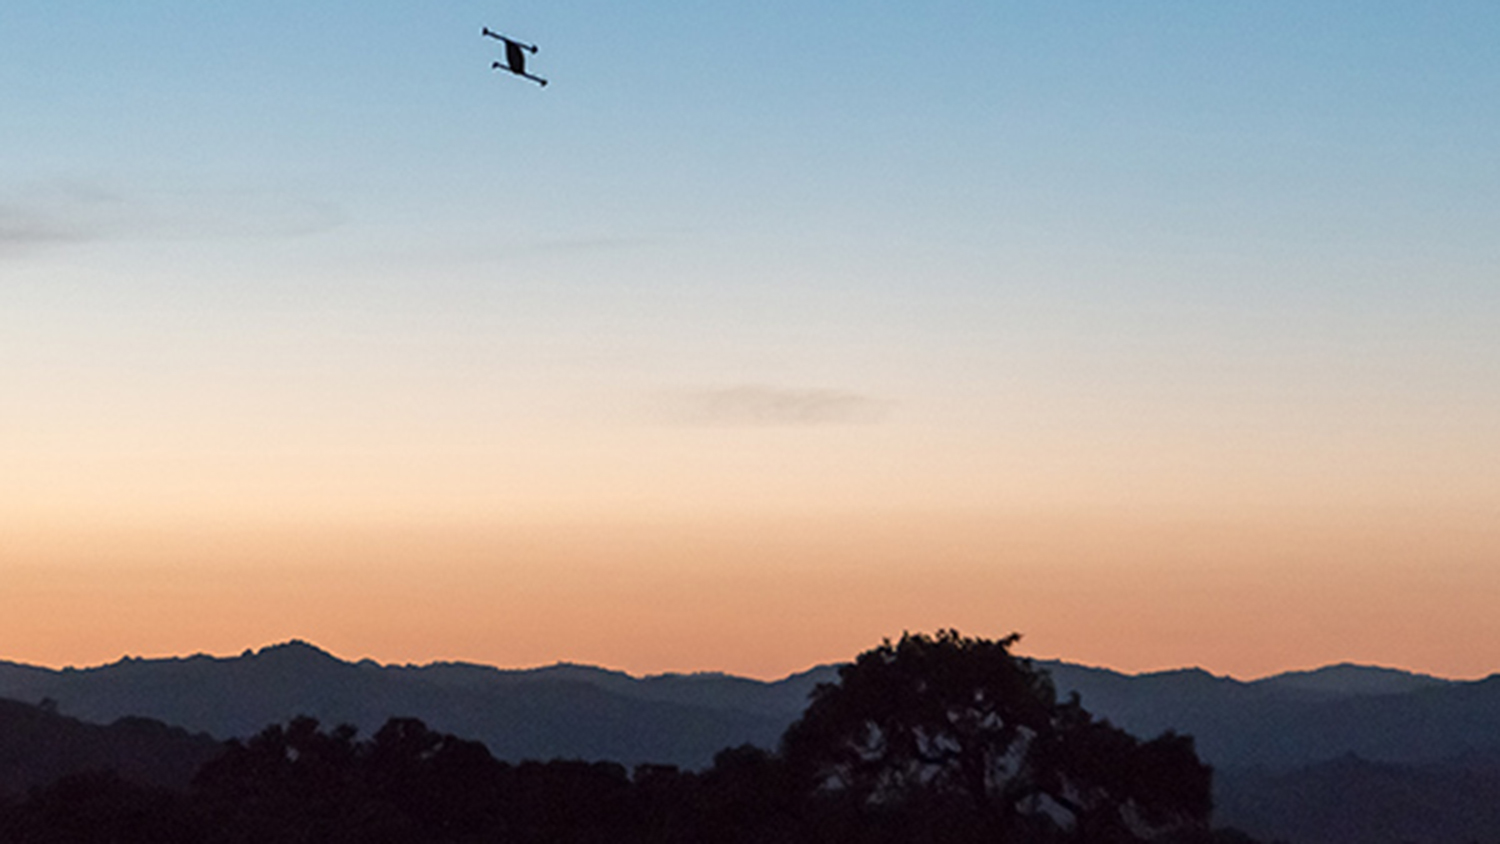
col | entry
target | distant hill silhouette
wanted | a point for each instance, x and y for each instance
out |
(1348, 680)
(563, 711)
(1350, 800)
(1301, 756)
(1300, 719)
(38, 746)
(587, 712)
(578, 711)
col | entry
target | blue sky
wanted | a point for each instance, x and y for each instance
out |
(273, 261)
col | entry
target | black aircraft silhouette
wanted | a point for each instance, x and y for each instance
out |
(515, 59)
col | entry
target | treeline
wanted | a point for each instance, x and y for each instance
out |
(942, 739)
(409, 784)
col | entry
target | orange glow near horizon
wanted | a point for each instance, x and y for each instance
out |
(1164, 338)
(769, 597)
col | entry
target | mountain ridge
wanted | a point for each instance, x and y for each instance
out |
(583, 711)
(1293, 752)
(310, 649)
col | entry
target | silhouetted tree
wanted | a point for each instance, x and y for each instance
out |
(99, 806)
(968, 742)
(748, 796)
(933, 740)
(296, 783)
(570, 800)
(448, 786)
(300, 783)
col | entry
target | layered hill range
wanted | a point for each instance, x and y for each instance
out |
(575, 711)
(1347, 754)
(561, 711)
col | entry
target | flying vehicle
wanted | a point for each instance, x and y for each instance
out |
(515, 56)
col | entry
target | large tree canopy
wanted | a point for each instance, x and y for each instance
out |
(932, 740)
(963, 725)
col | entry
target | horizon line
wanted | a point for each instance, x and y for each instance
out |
(568, 663)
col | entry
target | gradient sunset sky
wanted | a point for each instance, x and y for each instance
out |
(1165, 333)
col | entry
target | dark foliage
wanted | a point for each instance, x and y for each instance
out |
(969, 742)
(936, 740)
(39, 746)
(99, 807)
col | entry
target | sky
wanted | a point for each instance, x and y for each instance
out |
(1161, 332)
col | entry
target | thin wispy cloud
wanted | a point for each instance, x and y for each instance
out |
(758, 405)
(64, 212)
(52, 214)
(24, 228)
